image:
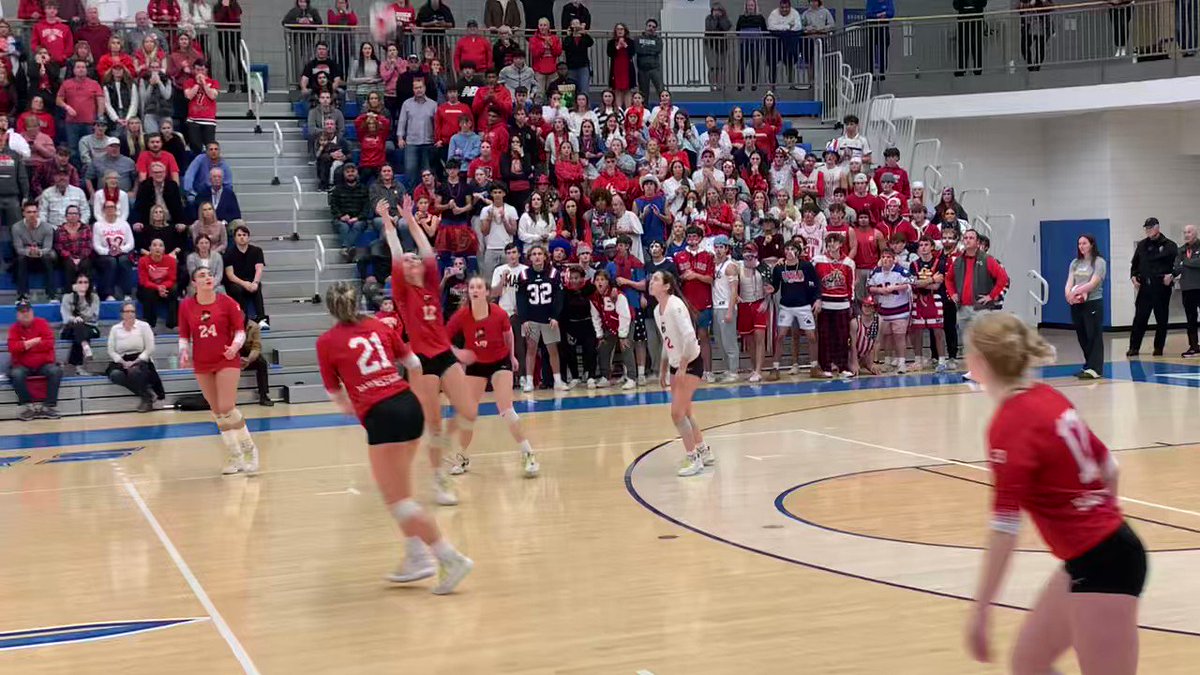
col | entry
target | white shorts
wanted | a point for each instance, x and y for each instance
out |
(796, 317)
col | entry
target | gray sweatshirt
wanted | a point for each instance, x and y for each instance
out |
(14, 180)
(42, 237)
(1187, 266)
(75, 306)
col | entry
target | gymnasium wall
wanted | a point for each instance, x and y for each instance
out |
(1122, 166)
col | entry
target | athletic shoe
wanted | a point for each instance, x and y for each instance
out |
(902, 368)
(1131, 353)
(1088, 374)
(772, 376)
(532, 468)
(692, 466)
(754, 377)
(826, 374)
(573, 382)
(443, 491)
(451, 573)
(706, 455)
(1191, 353)
(48, 412)
(27, 414)
(730, 377)
(146, 404)
(816, 372)
(1157, 352)
(458, 464)
(603, 383)
(250, 460)
(591, 383)
(527, 384)
(709, 377)
(264, 325)
(233, 463)
(968, 377)
(847, 374)
(629, 384)
(561, 386)
(940, 367)
(641, 380)
(794, 370)
(414, 568)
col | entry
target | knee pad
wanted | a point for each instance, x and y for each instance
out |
(406, 509)
(222, 421)
(465, 424)
(510, 416)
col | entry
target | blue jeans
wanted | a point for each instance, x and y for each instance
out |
(19, 375)
(416, 159)
(76, 131)
(113, 273)
(583, 76)
(349, 231)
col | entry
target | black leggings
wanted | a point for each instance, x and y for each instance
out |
(260, 367)
(78, 333)
(136, 378)
(1088, 318)
(580, 336)
(1191, 303)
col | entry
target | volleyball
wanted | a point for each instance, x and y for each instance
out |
(383, 21)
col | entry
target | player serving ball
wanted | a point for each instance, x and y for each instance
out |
(211, 331)
(1046, 461)
(681, 350)
(357, 359)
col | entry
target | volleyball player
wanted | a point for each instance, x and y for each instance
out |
(681, 350)
(211, 331)
(418, 299)
(490, 356)
(357, 360)
(1046, 460)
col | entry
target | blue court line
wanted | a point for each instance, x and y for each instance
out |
(1131, 371)
(40, 637)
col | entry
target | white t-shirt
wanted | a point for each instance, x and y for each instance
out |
(679, 335)
(508, 297)
(499, 237)
(721, 284)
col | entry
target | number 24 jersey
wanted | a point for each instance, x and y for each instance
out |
(362, 357)
(211, 329)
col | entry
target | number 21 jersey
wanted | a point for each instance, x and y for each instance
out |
(362, 357)
(1047, 461)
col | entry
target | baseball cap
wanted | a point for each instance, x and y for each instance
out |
(1150, 222)
(111, 141)
(472, 23)
(888, 178)
(721, 240)
(24, 306)
(750, 248)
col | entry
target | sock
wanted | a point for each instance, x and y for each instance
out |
(775, 364)
(557, 378)
(641, 371)
(244, 440)
(230, 439)
(941, 359)
(526, 448)
(443, 550)
(414, 548)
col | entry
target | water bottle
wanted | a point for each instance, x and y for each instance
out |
(173, 361)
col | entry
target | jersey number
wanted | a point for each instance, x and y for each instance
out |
(373, 358)
(540, 294)
(430, 312)
(1075, 434)
(208, 331)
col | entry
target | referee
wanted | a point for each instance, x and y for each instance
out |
(1152, 274)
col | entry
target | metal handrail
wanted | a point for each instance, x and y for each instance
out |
(932, 186)
(1000, 243)
(1044, 297)
(987, 199)
(254, 87)
(319, 255)
(277, 137)
(982, 226)
(937, 153)
(961, 170)
(297, 200)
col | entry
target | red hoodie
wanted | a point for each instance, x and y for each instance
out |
(38, 355)
(157, 275)
(55, 37)
(473, 49)
(497, 97)
(445, 121)
(26, 9)
(544, 51)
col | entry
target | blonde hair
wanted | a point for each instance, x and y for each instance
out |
(341, 299)
(1008, 344)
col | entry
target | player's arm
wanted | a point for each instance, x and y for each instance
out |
(389, 230)
(331, 380)
(424, 249)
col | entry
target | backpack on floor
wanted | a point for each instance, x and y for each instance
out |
(191, 402)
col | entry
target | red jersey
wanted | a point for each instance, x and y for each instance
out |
(486, 337)
(445, 120)
(866, 254)
(391, 320)
(202, 109)
(905, 227)
(362, 358)
(836, 278)
(211, 329)
(1046, 460)
(696, 292)
(867, 203)
(421, 309)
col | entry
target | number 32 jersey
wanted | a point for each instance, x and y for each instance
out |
(211, 329)
(362, 358)
(1047, 461)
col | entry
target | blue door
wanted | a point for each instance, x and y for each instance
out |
(1059, 238)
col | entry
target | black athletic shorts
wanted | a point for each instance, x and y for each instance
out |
(1116, 566)
(695, 367)
(487, 370)
(436, 365)
(395, 420)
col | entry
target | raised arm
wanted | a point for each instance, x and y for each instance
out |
(389, 229)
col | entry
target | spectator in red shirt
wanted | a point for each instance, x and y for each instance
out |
(612, 179)
(201, 92)
(891, 164)
(544, 50)
(154, 152)
(29, 10)
(31, 344)
(54, 34)
(445, 121)
(164, 12)
(156, 285)
(493, 95)
(974, 281)
(93, 32)
(488, 159)
(862, 201)
(83, 100)
(473, 48)
(114, 54)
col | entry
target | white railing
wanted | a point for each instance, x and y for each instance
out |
(985, 193)
(1040, 295)
(319, 259)
(936, 156)
(905, 135)
(933, 180)
(953, 179)
(1004, 234)
(982, 226)
(277, 137)
(877, 122)
(297, 201)
(255, 90)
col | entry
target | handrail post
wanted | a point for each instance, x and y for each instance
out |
(278, 138)
(297, 200)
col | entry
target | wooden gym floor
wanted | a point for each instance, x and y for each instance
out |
(832, 537)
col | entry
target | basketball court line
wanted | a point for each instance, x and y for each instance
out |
(193, 583)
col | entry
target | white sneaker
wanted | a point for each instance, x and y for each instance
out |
(532, 468)
(603, 383)
(561, 386)
(458, 464)
(443, 491)
(847, 374)
(706, 455)
(710, 378)
(263, 325)
(794, 370)
(629, 384)
(641, 380)
(573, 382)
(87, 350)
(233, 464)
(452, 572)
(250, 460)
(754, 377)
(692, 465)
(730, 377)
(591, 383)
(414, 568)
(527, 384)
(940, 367)
(967, 376)
(902, 367)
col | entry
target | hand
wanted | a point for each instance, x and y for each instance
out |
(977, 635)
(162, 292)
(465, 356)
(983, 301)
(231, 353)
(33, 342)
(78, 319)
(185, 359)
(516, 366)
(625, 342)
(662, 375)
(1137, 285)
(400, 144)
(816, 307)
(245, 362)
(253, 287)
(1168, 280)
(554, 324)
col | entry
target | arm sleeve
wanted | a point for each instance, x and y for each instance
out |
(329, 376)
(1001, 275)
(147, 352)
(596, 323)
(112, 345)
(127, 241)
(623, 318)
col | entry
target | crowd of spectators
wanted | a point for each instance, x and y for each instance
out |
(100, 195)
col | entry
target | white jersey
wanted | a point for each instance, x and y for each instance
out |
(678, 332)
(721, 284)
(508, 296)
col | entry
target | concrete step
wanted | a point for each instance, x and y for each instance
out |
(307, 393)
(279, 199)
(296, 290)
(332, 272)
(315, 319)
(270, 224)
(295, 357)
(257, 146)
(280, 258)
(236, 106)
